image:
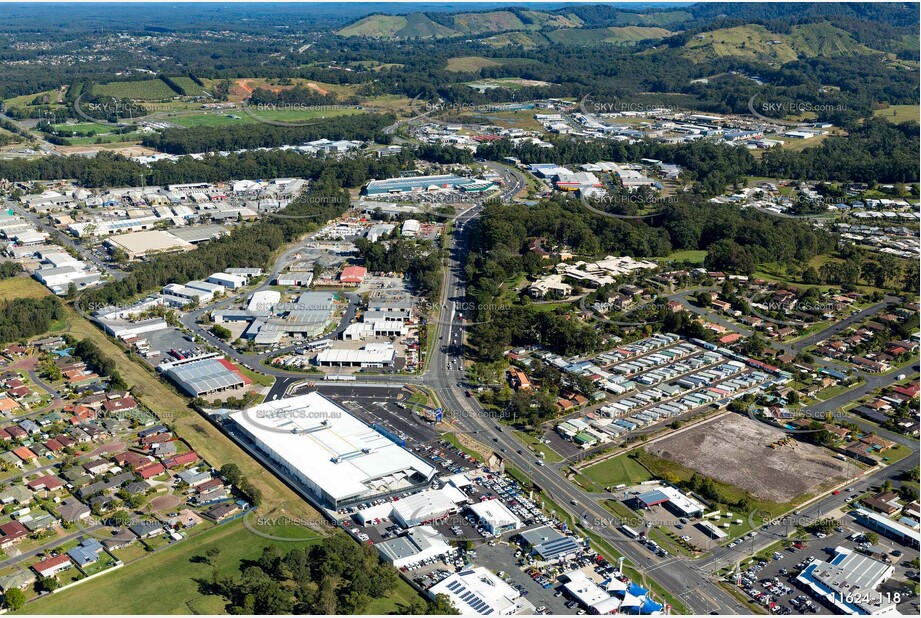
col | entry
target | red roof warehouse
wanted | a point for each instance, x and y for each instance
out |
(353, 274)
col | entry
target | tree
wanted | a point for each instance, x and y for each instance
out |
(231, 472)
(14, 598)
(221, 332)
(47, 584)
(872, 538)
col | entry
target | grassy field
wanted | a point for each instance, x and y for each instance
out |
(84, 128)
(188, 85)
(242, 117)
(616, 471)
(144, 90)
(22, 287)
(693, 255)
(258, 378)
(470, 64)
(899, 113)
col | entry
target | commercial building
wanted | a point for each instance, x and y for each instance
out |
(371, 355)
(885, 526)
(673, 500)
(331, 454)
(711, 530)
(353, 274)
(549, 544)
(589, 594)
(848, 583)
(427, 506)
(495, 516)
(476, 590)
(142, 244)
(412, 184)
(418, 544)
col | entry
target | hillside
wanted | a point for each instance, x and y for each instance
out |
(511, 22)
(614, 34)
(755, 42)
(411, 26)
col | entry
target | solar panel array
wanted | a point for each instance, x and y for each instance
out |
(475, 602)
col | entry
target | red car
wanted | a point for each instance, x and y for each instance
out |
(836, 492)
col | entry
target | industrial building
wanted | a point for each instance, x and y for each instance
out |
(476, 590)
(848, 583)
(411, 228)
(203, 375)
(332, 455)
(141, 244)
(228, 280)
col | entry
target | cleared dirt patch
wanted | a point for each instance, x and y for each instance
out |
(161, 503)
(735, 449)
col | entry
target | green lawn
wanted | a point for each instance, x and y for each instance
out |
(258, 378)
(255, 115)
(84, 128)
(899, 113)
(550, 455)
(617, 470)
(165, 582)
(692, 255)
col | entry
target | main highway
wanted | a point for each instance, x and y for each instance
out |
(445, 371)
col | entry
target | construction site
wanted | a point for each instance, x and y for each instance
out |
(757, 458)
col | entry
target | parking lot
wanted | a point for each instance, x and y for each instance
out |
(168, 339)
(772, 580)
(385, 407)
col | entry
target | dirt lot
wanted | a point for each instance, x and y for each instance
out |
(735, 449)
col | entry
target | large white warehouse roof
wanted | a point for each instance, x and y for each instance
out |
(335, 455)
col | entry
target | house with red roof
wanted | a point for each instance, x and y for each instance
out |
(53, 445)
(11, 533)
(120, 405)
(16, 432)
(150, 471)
(24, 453)
(49, 482)
(181, 460)
(52, 566)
